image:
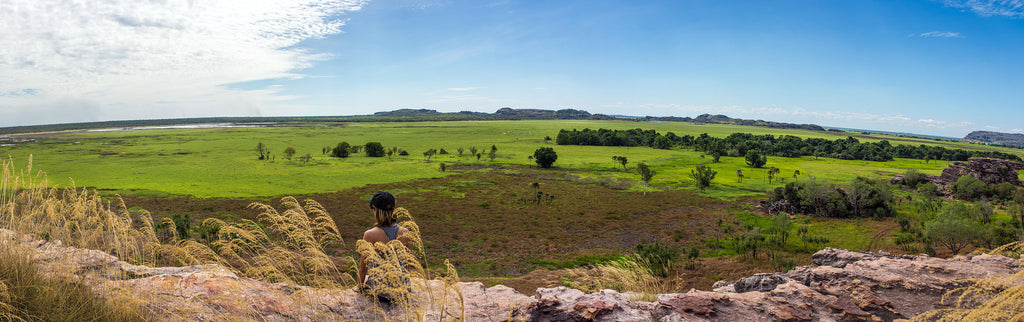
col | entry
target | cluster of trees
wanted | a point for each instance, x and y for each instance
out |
(967, 187)
(344, 149)
(956, 225)
(862, 197)
(739, 144)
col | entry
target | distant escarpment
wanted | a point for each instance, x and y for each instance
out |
(408, 115)
(722, 119)
(843, 285)
(996, 138)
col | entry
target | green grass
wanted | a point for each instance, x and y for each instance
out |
(222, 162)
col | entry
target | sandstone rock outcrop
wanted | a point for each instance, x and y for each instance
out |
(844, 285)
(990, 171)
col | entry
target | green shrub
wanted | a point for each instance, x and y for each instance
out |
(655, 257)
(912, 178)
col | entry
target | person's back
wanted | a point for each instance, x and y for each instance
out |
(384, 274)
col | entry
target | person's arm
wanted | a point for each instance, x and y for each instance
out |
(362, 271)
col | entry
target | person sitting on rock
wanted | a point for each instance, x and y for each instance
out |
(382, 271)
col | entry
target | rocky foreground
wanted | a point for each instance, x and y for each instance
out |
(844, 285)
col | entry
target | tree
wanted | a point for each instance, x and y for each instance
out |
(645, 174)
(263, 150)
(429, 154)
(715, 156)
(289, 152)
(662, 142)
(472, 150)
(374, 149)
(342, 150)
(544, 157)
(461, 150)
(443, 167)
(494, 149)
(306, 158)
(621, 160)
(703, 175)
(392, 151)
(771, 174)
(755, 159)
(492, 155)
(953, 229)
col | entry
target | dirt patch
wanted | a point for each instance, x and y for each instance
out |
(491, 224)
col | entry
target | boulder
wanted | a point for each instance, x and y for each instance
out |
(988, 170)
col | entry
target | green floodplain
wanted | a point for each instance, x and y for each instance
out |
(223, 162)
(601, 211)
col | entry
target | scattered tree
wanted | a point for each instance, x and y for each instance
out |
(472, 150)
(478, 155)
(342, 150)
(442, 151)
(289, 152)
(544, 157)
(703, 175)
(429, 154)
(771, 174)
(263, 150)
(621, 160)
(443, 167)
(306, 158)
(356, 148)
(460, 150)
(374, 149)
(755, 159)
(645, 174)
(492, 155)
(715, 156)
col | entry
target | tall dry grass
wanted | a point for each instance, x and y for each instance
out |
(26, 294)
(629, 274)
(293, 245)
(402, 277)
(999, 298)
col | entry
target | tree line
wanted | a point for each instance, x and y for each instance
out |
(739, 144)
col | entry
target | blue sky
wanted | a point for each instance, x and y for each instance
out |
(932, 67)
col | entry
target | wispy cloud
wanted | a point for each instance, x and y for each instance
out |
(465, 89)
(116, 59)
(942, 34)
(1017, 131)
(986, 8)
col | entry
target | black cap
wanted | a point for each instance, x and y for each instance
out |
(383, 200)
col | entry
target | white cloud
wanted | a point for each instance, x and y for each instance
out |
(942, 34)
(1017, 131)
(986, 8)
(66, 60)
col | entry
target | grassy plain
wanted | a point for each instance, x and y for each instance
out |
(478, 214)
(222, 162)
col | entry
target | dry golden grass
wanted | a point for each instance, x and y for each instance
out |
(623, 275)
(399, 275)
(290, 246)
(999, 298)
(26, 294)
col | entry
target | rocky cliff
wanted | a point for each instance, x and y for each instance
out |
(843, 285)
(990, 171)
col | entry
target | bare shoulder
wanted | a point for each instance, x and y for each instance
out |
(373, 235)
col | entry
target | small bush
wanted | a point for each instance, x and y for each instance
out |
(655, 257)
